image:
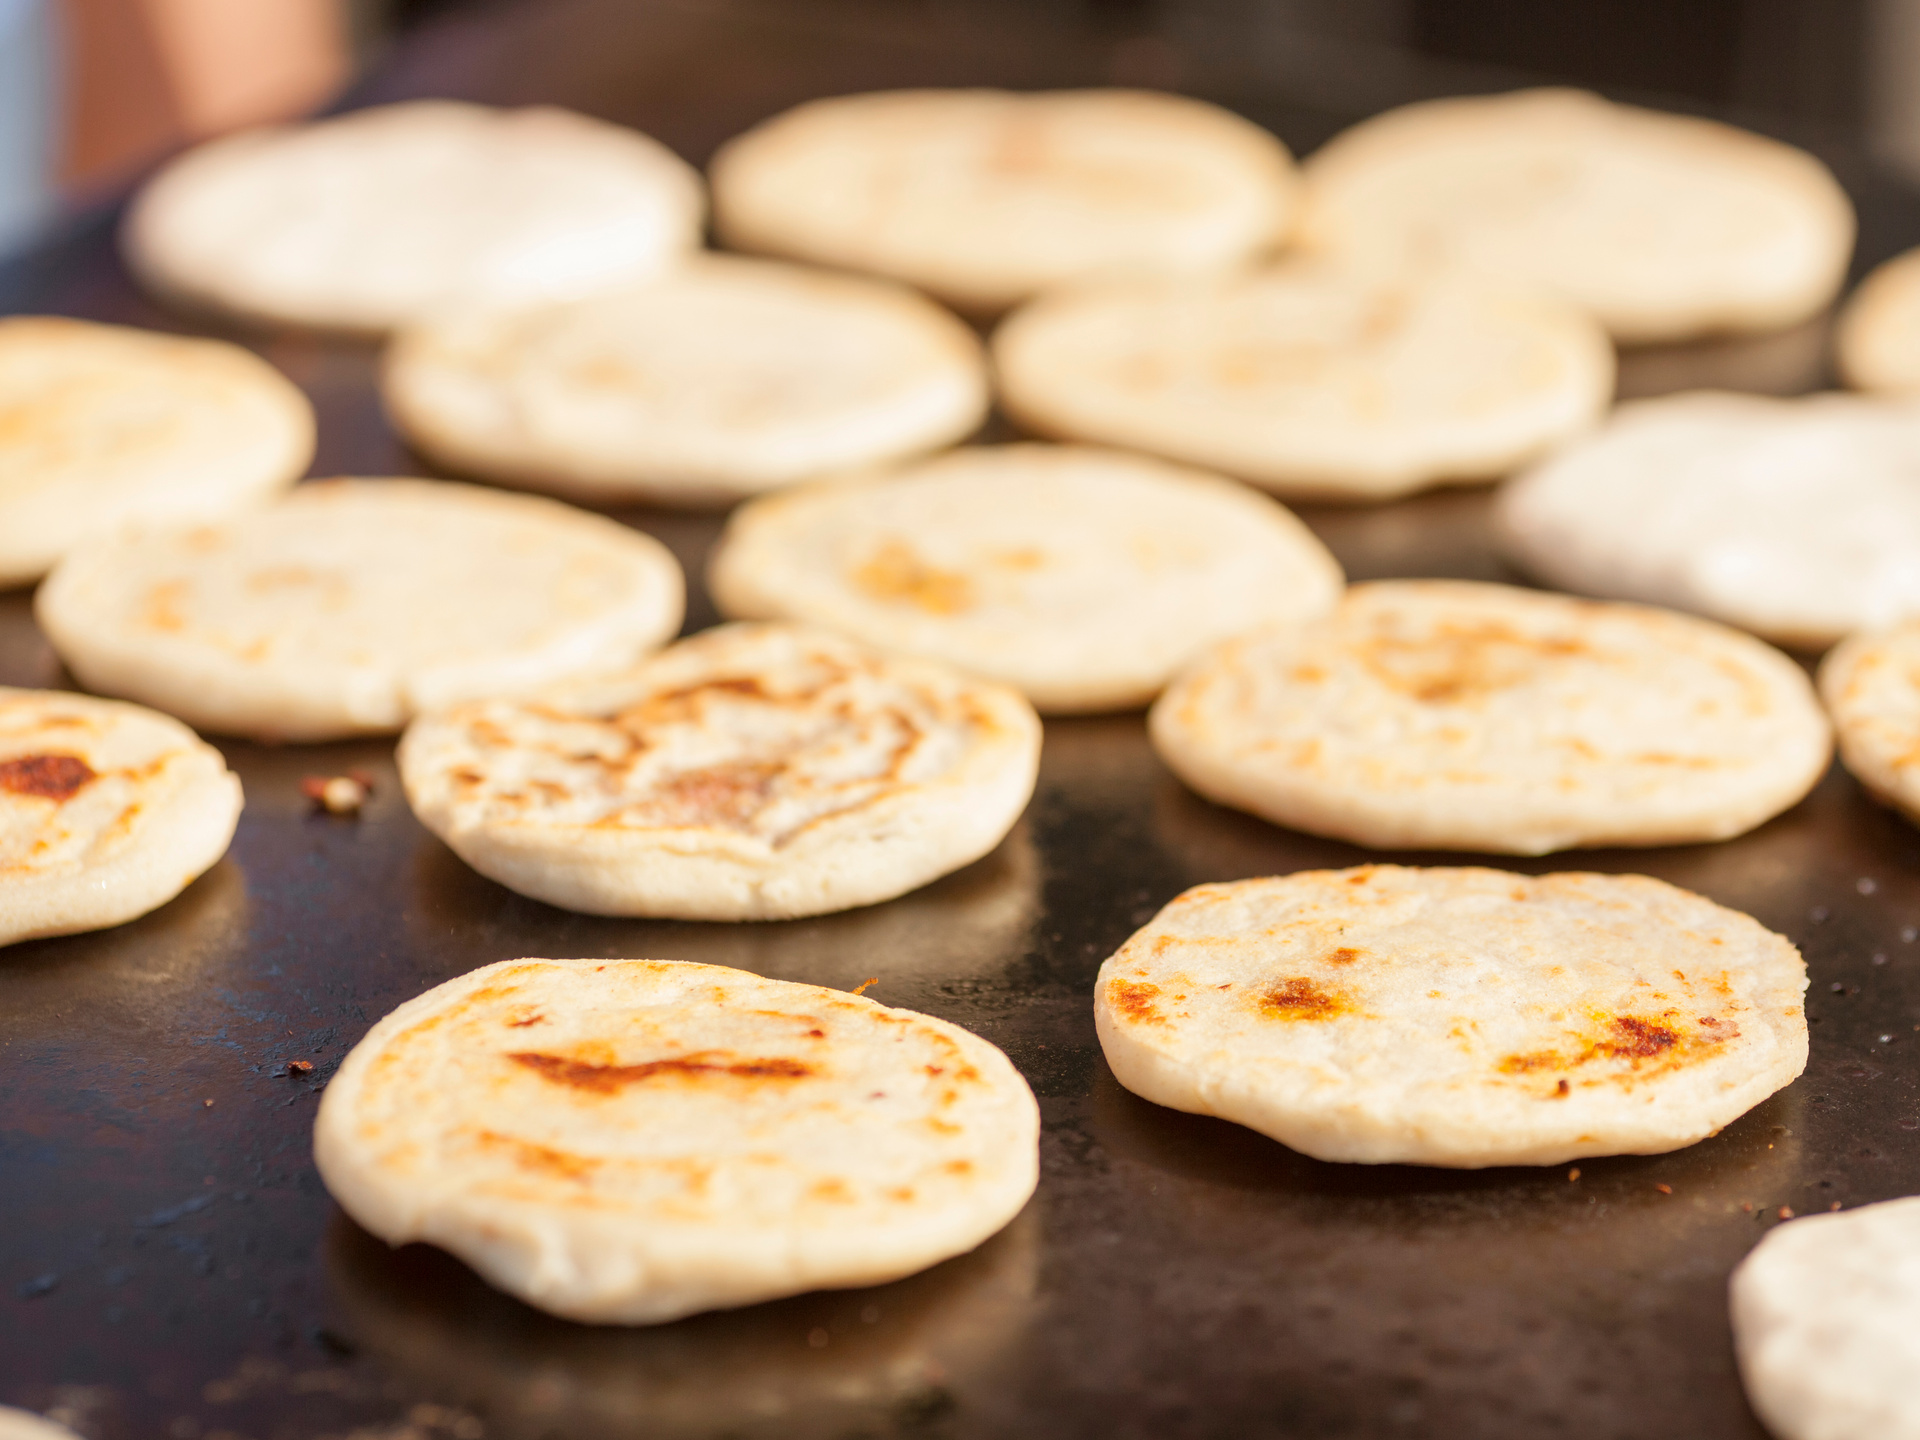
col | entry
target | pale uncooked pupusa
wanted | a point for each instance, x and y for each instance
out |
(1460, 716)
(1826, 1325)
(101, 425)
(1082, 577)
(722, 379)
(352, 605)
(629, 1141)
(1663, 227)
(1310, 379)
(1796, 519)
(753, 772)
(985, 197)
(380, 216)
(107, 811)
(1877, 342)
(1455, 1017)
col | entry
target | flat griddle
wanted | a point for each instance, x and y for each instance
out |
(170, 1266)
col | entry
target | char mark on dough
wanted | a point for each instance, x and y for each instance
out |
(1633, 1039)
(50, 777)
(608, 1079)
(1134, 1001)
(1299, 998)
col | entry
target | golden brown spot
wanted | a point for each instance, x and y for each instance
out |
(540, 1159)
(1633, 1039)
(902, 1193)
(1561, 1087)
(49, 777)
(835, 1190)
(1308, 675)
(1027, 558)
(958, 1167)
(1463, 661)
(1300, 999)
(1345, 955)
(1135, 1002)
(1637, 1038)
(162, 608)
(607, 1079)
(895, 572)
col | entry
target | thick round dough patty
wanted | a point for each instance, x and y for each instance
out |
(629, 1141)
(1455, 1017)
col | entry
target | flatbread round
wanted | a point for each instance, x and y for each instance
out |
(1877, 342)
(1826, 1325)
(1457, 716)
(1083, 578)
(1455, 1017)
(725, 378)
(1661, 226)
(107, 811)
(1796, 519)
(101, 425)
(1310, 380)
(985, 197)
(352, 605)
(753, 772)
(380, 216)
(630, 1141)
(25, 1425)
(1871, 684)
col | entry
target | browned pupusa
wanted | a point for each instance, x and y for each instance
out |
(1450, 715)
(632, 1140)
(1463, 1017)
(751, 772)
(106, 811)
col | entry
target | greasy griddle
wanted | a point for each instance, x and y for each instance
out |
(173, 1267)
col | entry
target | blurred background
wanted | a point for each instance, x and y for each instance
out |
(93, 92)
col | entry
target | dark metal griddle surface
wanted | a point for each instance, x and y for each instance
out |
(172, 1267)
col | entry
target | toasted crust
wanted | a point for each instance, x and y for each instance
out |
(1877, 341)
(1458, 716)
(630, 1141)
(1084, 578)
(1455, 1017)
(380, 216)
(1826, 1325)
(353, 604)
(752, 772)
(101, 426)
(107, 811)
(1871, 686)
(723, 379)
(1795, 519)
(1311, 380)
(985, 197)
(1662, 226)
